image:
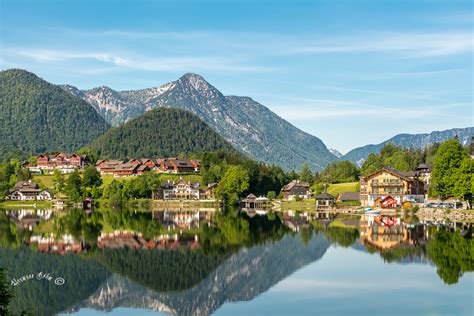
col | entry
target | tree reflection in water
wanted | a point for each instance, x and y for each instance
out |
(214, 246)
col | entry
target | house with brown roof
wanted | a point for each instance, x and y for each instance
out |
(148, 162)
(348, 197)
(175, 165)
(126, 170)
(66, 163)
(325, 200)
(28, 191)
(296, 188)
(107, 166)
(389, 182)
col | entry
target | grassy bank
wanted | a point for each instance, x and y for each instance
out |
(28, 204)
(304, 205)
(337, 188)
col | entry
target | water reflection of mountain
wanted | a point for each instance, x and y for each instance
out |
(243, 276)
(42, 297)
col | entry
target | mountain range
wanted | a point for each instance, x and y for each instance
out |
(246, 124)
(358, 155)
(37, 116)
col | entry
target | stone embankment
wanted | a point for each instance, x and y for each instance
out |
(439, 215)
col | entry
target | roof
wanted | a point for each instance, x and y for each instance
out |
(349, 196)
(142, 167)
(25, 185)
(395, 172)
(183, 163)
(126, 167)
(212, 185)
(293, 184)
(324, 196)
(423, 166)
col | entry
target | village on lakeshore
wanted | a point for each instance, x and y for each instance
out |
(71, 203)
(383, 188)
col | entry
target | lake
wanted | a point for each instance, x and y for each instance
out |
(203, 261)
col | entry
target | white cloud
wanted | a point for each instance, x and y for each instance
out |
(409, 44)
(347, 109)
(144, 63)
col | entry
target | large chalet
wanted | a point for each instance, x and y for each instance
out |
(296, 188)
(184, 190)
(66, 163)
(175, 165)
(28, 191)
(135, 167)
(388, 187)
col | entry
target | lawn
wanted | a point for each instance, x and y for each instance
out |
(193, 177)
(26, 204)
(47, 179)
(337, 188)
(107, 178)
(304, 205)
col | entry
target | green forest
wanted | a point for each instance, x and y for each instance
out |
(160, 132)
(36, 116)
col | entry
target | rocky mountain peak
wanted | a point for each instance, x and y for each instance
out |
(196, 81)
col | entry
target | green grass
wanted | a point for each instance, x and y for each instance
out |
(338, 223)
(46, 180)
(337, 188)
(193, 177)
(23, 204)
(304, 205)
(107, 178)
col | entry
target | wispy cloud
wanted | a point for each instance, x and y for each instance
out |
(348, 109)
(409, 44)
(144, 63)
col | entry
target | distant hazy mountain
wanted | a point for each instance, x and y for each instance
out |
(161, 132)
(358, 155)
(336, 152)
(37, 116)
(245, 123)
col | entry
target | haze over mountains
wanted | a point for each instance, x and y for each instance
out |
(245, 123)
(358, 155)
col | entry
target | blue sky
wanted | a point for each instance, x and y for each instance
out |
(349, 72)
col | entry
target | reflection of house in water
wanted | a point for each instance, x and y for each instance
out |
(186, 219)
(67, 244)
(121, 239)
(385, 233)
(296, 221)
(28, 218)
(135, 240)
(252, 204)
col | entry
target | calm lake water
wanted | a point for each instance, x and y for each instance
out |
(113, 262)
